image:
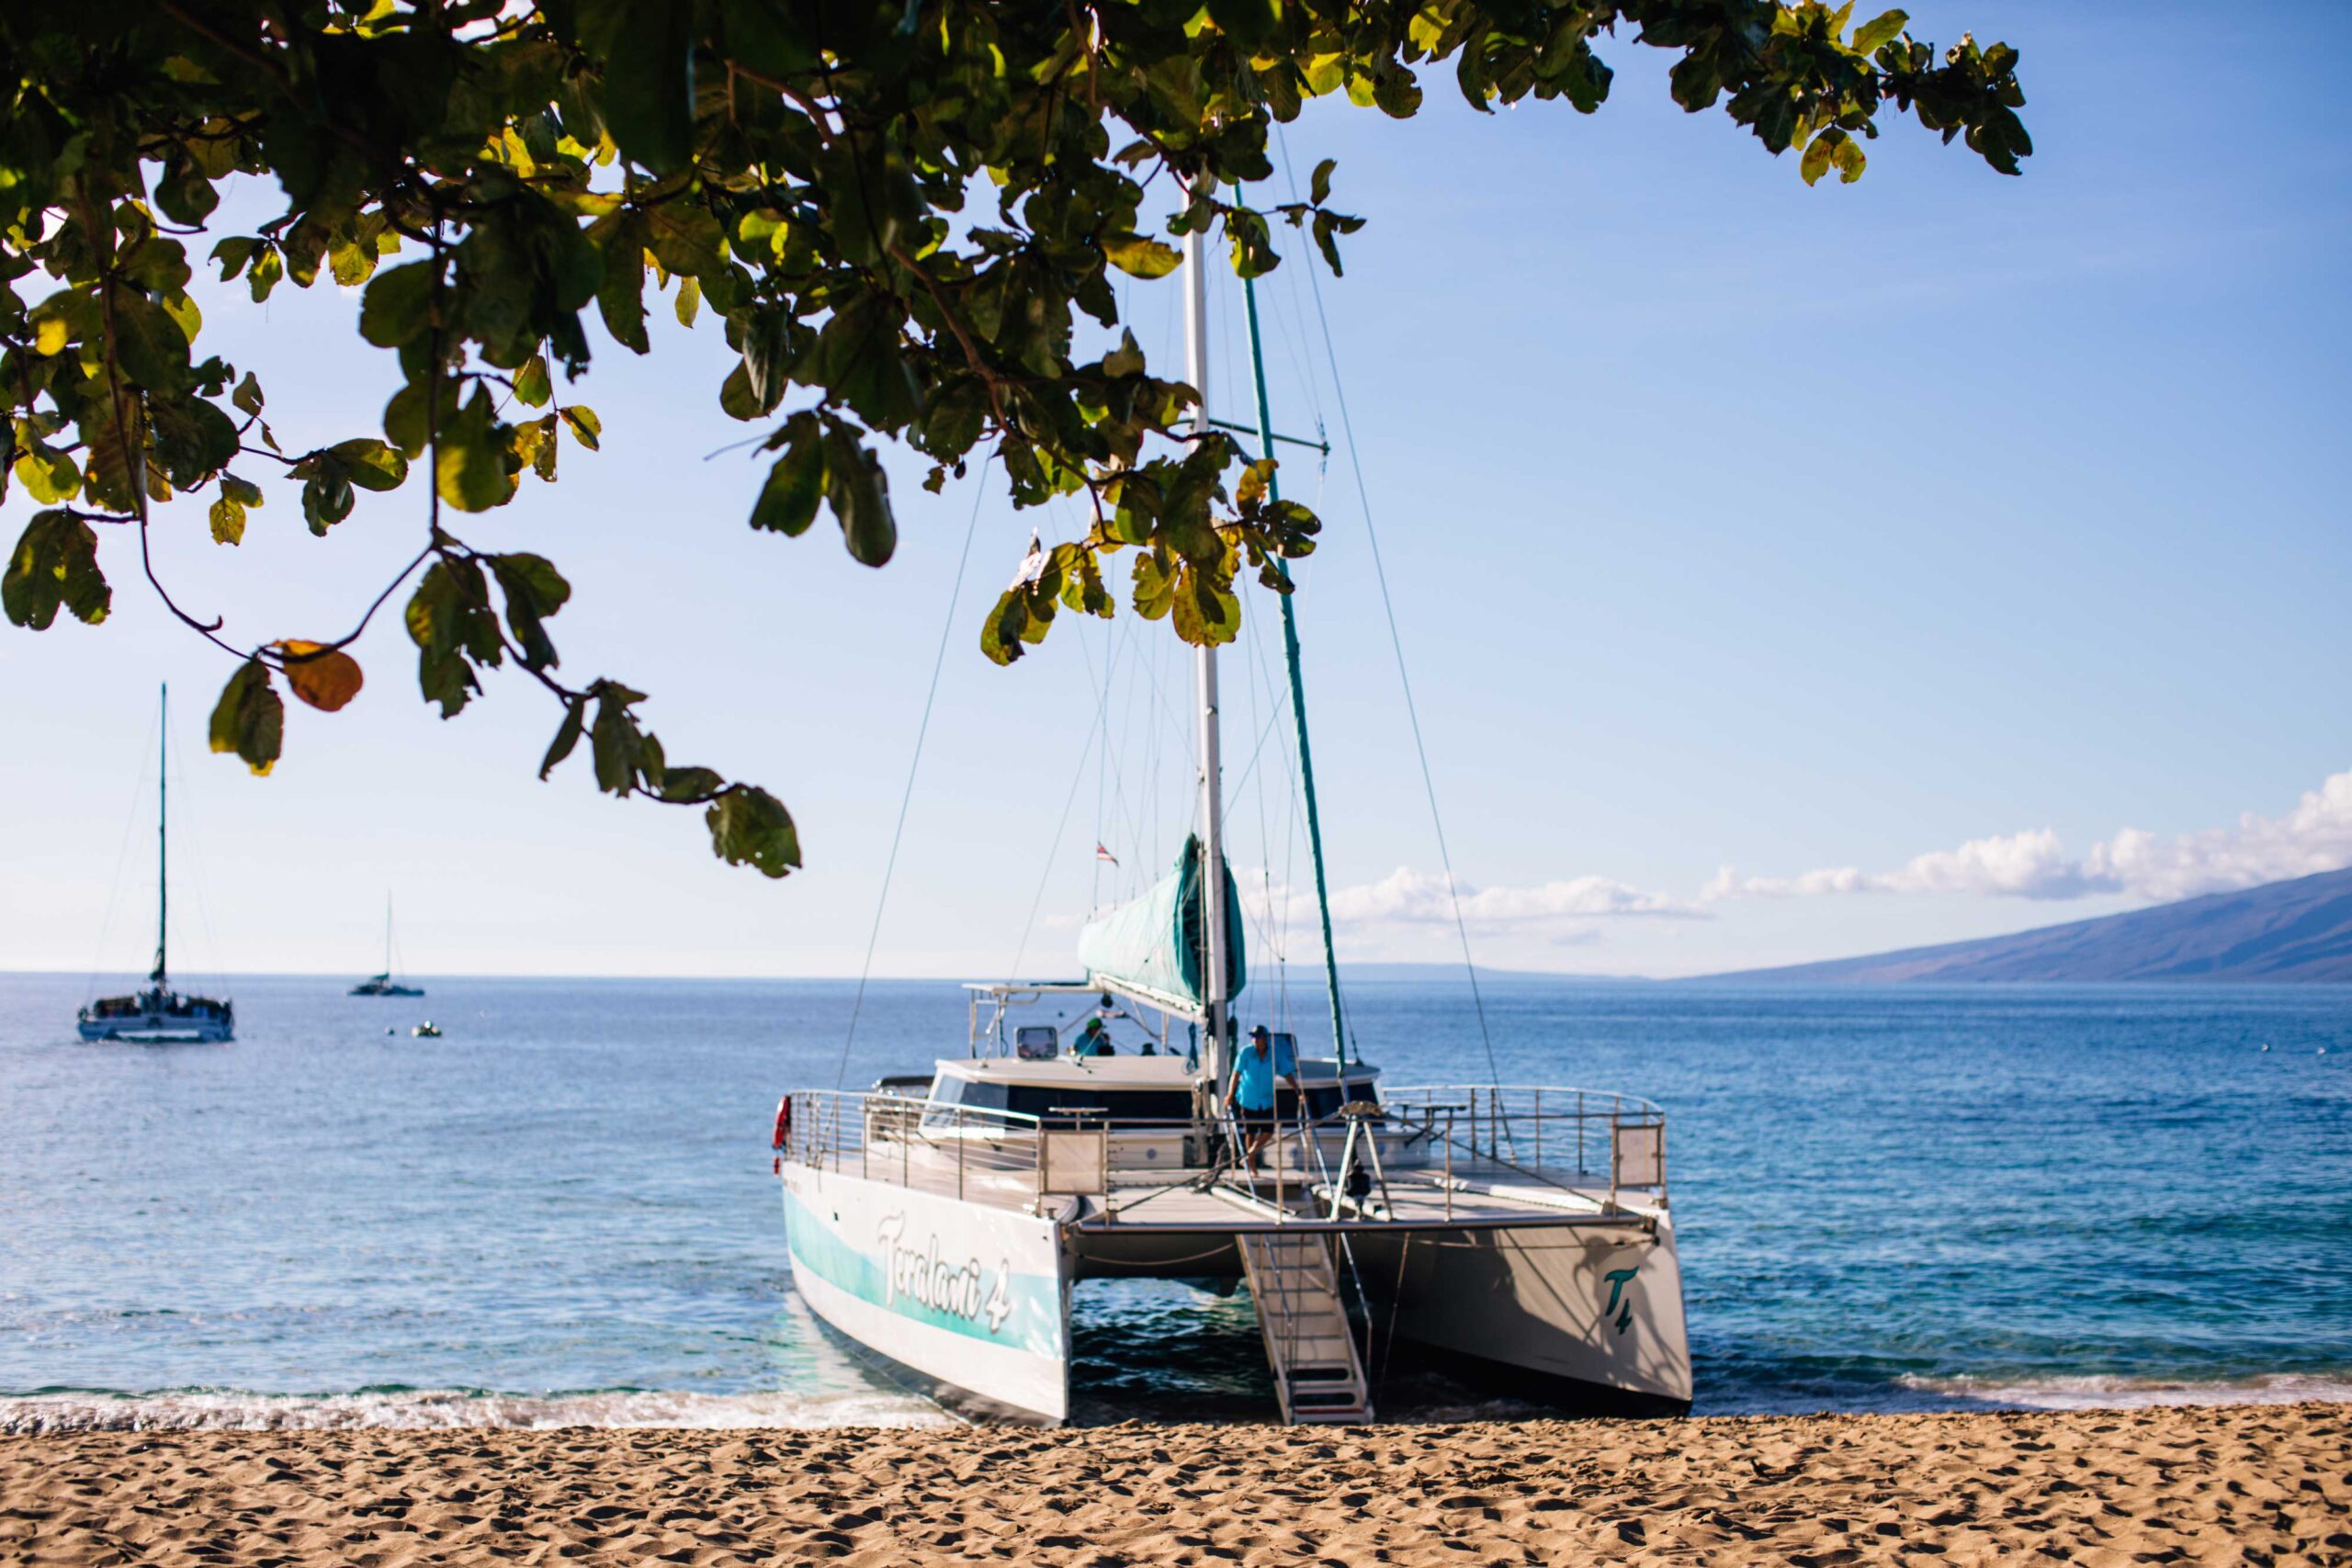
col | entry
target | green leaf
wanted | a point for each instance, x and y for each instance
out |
(788, 503)
(567, 735)
(751, 827)
(398, 306)
(1138, 255)
(1319, 187)
(269, 266)
(648, 100)
(55, 563)
(1816, 157)
(688, 786)
(689, 300)
(247, 397)
(1155, 585)
(148, 344)
(615, 740)
(472, 474)
(621, 297)
(227, 516)
(1127, 359)
(370, 463)
(327, 497)
(48, 476)
(584, 424)
(860, 497)
(232, 254)
(531, 385)
(451, 623)
(250, 717)
(534, 590)
(1881, 30)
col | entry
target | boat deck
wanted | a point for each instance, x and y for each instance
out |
(1409, 1169)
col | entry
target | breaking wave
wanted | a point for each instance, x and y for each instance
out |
(2102, 1392)
(426, 1409)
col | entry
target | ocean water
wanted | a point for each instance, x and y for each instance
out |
(561, 1210)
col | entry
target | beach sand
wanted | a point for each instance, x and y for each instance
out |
(2262, 1484)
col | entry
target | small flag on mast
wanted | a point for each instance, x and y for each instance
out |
(1101, 853)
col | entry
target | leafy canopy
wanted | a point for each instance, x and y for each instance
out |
(897, 214)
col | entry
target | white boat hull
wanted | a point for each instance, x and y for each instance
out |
(159, 1028)
(1594, 1316)
(972, 1300)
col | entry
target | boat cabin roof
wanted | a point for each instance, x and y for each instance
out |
(1113, 1072)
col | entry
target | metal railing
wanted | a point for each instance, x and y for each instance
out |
(1541, 1133)
(1534, 1127)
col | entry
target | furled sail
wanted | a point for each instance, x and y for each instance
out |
(1151, 947)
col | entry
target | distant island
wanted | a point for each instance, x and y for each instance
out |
(2282, 931)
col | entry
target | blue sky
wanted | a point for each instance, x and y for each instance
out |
(1811, 533)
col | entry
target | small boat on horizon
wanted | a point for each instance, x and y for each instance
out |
(383, 985)
(160, 1015)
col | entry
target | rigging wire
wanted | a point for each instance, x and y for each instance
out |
(1045, 876)
(939, 663)
(1395, 639)
(192, 837)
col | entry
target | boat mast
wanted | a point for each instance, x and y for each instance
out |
(163, 834)
(388, 934)
(1214, 999)
(1297, 693)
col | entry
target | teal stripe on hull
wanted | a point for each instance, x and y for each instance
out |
(965, 1295)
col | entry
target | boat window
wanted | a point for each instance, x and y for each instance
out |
(1052, 1103)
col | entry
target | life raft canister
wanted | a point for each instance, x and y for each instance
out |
(783, 1129)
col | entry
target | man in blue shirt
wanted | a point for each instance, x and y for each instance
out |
(1260, 1065)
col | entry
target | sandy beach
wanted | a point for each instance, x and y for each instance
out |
(2233, 1484)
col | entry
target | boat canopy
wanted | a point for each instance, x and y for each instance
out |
(1151, 948)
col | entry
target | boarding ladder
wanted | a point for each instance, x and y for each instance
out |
(1318, 1373)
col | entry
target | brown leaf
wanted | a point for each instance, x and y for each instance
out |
(325, 682)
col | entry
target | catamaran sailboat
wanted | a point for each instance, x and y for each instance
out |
(383, 985)
(160, 1015)
(943, 1219)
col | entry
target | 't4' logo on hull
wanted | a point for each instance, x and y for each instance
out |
(1618, 1280)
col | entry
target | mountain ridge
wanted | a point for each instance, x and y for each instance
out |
(2296, 931)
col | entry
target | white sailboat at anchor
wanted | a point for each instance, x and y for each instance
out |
(383, 985)
(159, 1015)
(943, 1219)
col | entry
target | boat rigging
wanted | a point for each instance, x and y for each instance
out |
(160, 1015)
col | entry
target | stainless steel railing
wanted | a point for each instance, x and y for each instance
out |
(1543, 1134)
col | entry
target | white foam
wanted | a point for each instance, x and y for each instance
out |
(2106, 1392)
(424, 1409)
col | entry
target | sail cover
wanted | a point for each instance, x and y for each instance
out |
(1151, 947)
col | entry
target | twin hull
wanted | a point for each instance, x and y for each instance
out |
(975, 1300)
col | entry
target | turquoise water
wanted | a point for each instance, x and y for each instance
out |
(562, 1209)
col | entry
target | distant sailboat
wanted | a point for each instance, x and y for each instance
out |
(160, 1014)
(383, 985)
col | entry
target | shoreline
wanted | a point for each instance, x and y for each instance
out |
(2262, 1482)
(64, 1411)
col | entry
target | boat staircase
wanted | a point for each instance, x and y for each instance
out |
(1318, 1373)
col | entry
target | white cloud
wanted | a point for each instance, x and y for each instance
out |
(2315, 836)
(1405, 894)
